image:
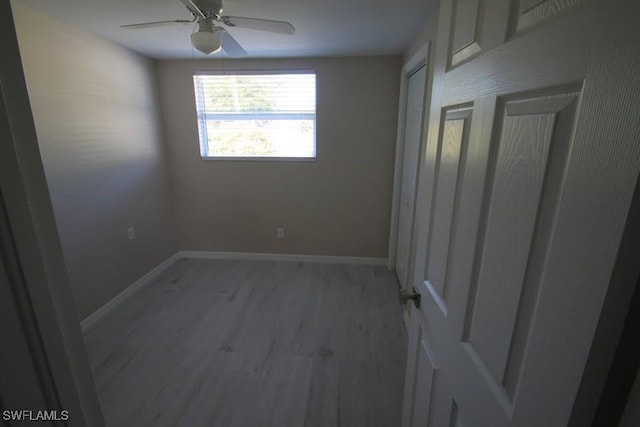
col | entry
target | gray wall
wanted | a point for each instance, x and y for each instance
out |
(337, 205)
(96, 118)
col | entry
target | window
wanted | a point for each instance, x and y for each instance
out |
(266, 115)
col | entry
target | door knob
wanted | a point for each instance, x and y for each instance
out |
(413, 295)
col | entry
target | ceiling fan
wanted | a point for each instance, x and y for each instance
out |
(210, 38)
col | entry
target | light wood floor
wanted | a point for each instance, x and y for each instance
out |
(254, 343)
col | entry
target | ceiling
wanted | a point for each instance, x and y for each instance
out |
(323, 27)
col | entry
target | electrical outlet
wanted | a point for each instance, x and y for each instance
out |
(280, 232)
(132, 233)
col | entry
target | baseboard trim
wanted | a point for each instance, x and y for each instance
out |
(88, 322)
(283, 257)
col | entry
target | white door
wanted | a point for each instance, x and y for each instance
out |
(527, 175)
(410, 156)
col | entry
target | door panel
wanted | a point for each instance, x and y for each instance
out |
(532, 12)
(452, 148)
(419, 386)
(476, 27)
(465, 30)
(425, 371)
(523, 194)
(511, 221)
(445, 411)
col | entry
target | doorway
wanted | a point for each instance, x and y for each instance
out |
(408, 163)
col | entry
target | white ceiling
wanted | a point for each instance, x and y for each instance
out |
(323, 27)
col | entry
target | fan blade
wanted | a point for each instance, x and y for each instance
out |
(156, 24)
(281, 27)
(193, 8)
(229, 44)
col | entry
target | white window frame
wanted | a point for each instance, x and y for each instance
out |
(203, 116)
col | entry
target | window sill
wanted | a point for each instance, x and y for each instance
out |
(258, 159)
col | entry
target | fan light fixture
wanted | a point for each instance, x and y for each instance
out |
(207, 39)
(207, 42)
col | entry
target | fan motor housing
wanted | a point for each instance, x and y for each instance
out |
(211, 6)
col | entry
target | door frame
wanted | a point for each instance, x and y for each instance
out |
(42, 296)
(625, 278)
(419, 59)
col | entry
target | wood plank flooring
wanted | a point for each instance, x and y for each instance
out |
(254, 343)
